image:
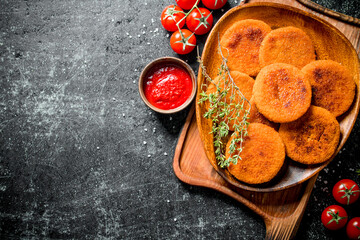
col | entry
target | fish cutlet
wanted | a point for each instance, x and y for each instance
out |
(333, 87)
(242, 43)
(313, 138)
(289, 45)
(281, 92)
(262, 155)
(256, 117)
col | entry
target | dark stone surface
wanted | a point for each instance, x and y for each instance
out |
(349, 7)
(82, 157)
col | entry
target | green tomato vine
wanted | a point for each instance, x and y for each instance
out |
(202, 22)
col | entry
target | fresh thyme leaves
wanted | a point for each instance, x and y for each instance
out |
(227, 107)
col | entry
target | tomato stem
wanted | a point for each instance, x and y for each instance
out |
(348, 192)
(335, 216)
(187, 14)
(184, 40)
(202, 20)
(170, 13)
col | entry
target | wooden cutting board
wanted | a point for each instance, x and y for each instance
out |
(281, 210)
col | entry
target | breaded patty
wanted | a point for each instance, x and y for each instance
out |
(287, 45)
(242, 41)
(333, 87)
(262, 156)
(256, 117)
(313, 138)
(281, 92)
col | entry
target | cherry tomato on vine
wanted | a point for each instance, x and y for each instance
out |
(346, 191)
(183, 41)
(199, 21)
(353, 228)
(214, 4)
(334, 217)
(186, 4)
(170, 16)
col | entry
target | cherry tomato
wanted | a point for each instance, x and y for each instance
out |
(199, 21)
(346, 191)
(334, 217)
(183, 41)
(186, 4)
(214, 4)
(170, 16)
(353, 228)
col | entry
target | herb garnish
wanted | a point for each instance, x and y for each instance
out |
(226, 106)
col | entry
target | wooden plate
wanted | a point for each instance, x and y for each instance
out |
(329, 43)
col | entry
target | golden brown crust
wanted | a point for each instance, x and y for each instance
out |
(281, 93)
(287, 45)
(245, 84)
(262, 156)
(333, 87)
(313, 138)
(256, 117)
(242, 41)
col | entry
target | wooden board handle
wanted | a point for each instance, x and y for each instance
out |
(286, 228)
(329, 12)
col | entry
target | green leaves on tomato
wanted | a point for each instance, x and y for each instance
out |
(183, 41)
(346, 191)
(172, 15)
(334, 217)
(199, 21)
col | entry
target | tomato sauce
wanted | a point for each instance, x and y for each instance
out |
(167, 86)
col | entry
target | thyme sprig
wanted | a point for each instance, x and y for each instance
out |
(226, 106)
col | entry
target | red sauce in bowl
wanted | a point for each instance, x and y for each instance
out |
(167, 86)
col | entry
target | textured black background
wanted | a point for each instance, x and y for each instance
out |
(349, 7)
(80, 154)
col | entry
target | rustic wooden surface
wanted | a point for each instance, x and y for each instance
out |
(321, 9)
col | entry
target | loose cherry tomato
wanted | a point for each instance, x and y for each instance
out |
(346, 191)
(183, 41)
(170, 16)
(214, 4)
(334, 217)
(199, 21)
(353, 228)
(186, 4)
